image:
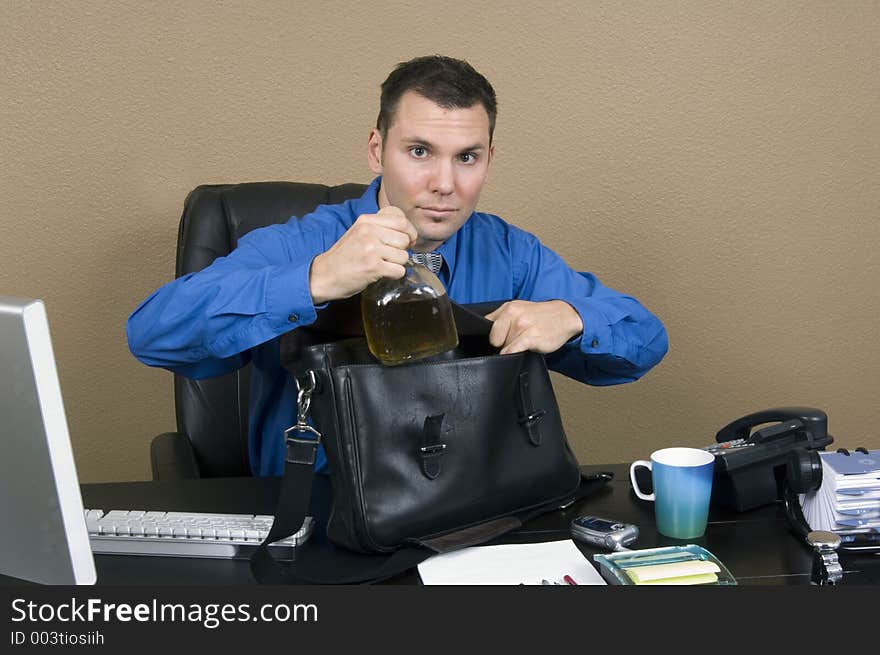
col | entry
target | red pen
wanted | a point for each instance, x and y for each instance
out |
(569, 580)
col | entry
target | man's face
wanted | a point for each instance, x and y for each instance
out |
(433, 162)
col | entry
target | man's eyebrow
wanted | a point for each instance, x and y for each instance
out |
(414, 140)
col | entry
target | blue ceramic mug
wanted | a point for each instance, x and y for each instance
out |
(682, 488)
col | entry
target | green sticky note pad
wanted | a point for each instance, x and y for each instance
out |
(671, 565)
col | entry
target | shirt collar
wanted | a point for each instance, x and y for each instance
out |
(368, 203)
(448, 250)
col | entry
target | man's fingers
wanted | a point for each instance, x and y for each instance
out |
(543, 327)
(517, 340)
(391, 270)
(518, 345)
(394, 238)
(500, 328)
(394, 218)
(373, 248)
(393, 255)
(391, 210)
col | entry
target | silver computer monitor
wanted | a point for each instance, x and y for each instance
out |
(43, 535)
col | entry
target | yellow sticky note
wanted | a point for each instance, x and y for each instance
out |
(659, 572)
(700, 578)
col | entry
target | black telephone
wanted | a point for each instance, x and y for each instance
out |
(750, 467)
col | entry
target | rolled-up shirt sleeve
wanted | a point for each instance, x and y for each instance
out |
(621, 339)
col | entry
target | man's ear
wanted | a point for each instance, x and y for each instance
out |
(374, 151)
(491, 157)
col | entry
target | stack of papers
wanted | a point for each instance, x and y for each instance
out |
(848, 502)
(511, 564)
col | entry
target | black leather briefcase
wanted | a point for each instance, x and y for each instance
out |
(434, 455)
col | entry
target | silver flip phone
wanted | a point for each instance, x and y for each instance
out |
(604, 533)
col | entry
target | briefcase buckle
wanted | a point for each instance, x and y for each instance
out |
(303, 451)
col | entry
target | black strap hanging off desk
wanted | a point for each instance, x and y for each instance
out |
(319, 563)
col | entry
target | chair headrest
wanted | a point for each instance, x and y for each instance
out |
(216, 216)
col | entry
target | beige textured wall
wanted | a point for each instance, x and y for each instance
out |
(717, 160)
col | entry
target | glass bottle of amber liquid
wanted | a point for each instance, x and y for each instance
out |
(408, 319)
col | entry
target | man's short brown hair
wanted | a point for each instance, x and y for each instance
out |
(450, 83)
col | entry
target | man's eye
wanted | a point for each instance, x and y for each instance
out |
(468, 158)
(418, 151)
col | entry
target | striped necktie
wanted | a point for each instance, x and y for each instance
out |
(430, 260)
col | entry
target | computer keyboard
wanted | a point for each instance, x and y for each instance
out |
(187, 534)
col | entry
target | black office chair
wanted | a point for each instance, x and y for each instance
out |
(212, 414)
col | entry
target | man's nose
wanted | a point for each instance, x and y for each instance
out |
(443, 178)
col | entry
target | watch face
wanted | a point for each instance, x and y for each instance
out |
(823, 539)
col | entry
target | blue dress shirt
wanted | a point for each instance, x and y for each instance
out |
(216, 320)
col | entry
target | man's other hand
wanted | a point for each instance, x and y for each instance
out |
(543, 327)
(373, 247)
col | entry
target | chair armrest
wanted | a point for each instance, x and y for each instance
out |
(172, 457)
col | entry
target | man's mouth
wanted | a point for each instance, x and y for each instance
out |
(439, 210)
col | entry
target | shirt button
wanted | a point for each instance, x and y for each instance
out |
(594, 343)
(293, 318)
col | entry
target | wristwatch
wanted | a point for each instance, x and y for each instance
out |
(826, 568)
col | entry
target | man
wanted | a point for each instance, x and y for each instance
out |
(431, 150)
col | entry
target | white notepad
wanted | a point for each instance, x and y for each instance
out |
(511, 564)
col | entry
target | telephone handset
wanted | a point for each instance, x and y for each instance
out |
(815, 421)
(750, 466)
